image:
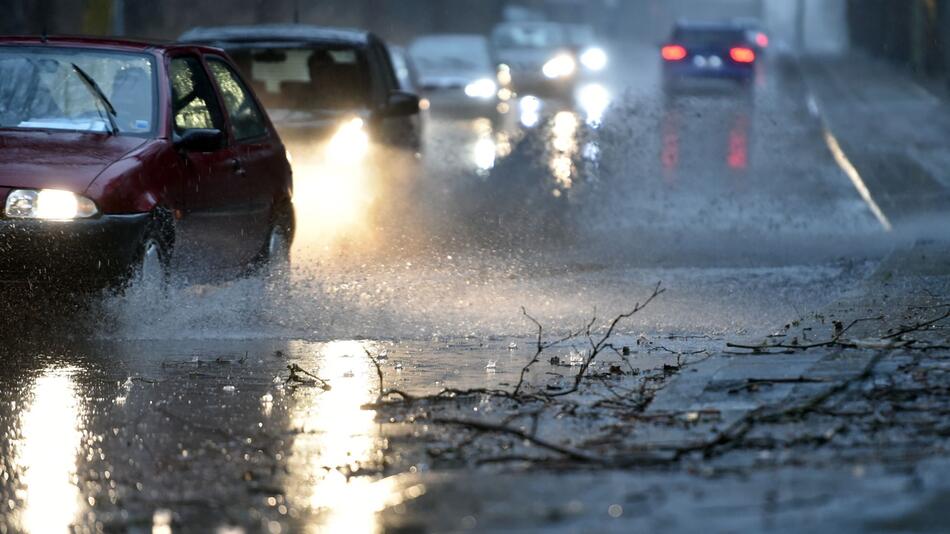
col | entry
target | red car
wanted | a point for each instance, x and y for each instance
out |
(122, 160)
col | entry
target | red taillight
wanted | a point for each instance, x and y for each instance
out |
(762, 40)
(741, 54)
(673, 53)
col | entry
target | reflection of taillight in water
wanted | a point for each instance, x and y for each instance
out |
(670, 152)
(738, 156)
(742, 54)
(673, 53)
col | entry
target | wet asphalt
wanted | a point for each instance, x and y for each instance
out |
(186, 417)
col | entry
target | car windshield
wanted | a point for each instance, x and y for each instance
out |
(530, 36)
(328, 78)
(451, 54)
(41, 89)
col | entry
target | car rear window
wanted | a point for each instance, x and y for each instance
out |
(709, 36)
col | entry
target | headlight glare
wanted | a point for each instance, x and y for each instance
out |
(350, 143)
(562, 66)
(483, 88)
(594, 59)
(48, 204)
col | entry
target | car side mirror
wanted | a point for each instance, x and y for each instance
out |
(402, 104)
(200, 140)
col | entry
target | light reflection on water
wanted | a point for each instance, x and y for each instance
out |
(337, 437)
(46, 455)
(564, 148)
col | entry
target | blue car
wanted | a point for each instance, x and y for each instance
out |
(709, 51)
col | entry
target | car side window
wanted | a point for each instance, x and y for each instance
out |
(194, 105)
(385, 81)
(247, 119)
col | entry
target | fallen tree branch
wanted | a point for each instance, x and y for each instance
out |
(834, 341)
(480, 426)
(298, 374)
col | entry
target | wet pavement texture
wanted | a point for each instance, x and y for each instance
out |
(792, 374)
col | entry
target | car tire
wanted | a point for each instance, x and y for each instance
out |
(150, 271)
(273, 261)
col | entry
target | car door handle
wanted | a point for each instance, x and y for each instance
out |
(238, 167)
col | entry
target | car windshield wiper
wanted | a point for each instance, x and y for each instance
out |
(93, 87)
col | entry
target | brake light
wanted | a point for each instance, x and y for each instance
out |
(762, 40)
(741, 54)
(673, 53)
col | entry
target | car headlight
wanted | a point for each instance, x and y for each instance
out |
(484, 89)
(350, 142)
(594, 59)
(562, 66)
(49, 204)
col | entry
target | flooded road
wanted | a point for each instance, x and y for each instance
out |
(259, 405)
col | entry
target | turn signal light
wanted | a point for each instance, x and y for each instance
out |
(741, 54)
(673, 53)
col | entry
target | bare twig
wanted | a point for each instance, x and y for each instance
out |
(917, 327)
(298, 373)
(480, 426)
(834, 341)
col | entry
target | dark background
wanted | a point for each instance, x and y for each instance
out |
(914, 33)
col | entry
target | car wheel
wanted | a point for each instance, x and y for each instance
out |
(150, 273)
(274, 258)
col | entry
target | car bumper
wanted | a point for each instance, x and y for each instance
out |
(460, 106)
(541, 86)
(687, 70)
(82, 254)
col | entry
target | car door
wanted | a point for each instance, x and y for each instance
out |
(207, 236)
(260, 159)
(396, 131)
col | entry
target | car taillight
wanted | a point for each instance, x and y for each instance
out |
(741, 54)
(673, 53)
(762, 40)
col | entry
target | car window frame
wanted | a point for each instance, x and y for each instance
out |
(214, 90)
(266, 134)
(382, 71)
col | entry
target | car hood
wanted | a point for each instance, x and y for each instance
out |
(526, 59)
(58, 160)
(451, 80)
(302, 126)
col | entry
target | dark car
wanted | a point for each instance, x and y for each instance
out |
(121, 159)
(457, 75)
(548, 59)
(708, 50)
(315, 81)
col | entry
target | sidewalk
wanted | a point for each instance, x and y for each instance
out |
(894, 131)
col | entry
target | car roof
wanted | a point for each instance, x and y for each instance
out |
(103, 43)
(709, 25)
(226, 36)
